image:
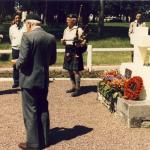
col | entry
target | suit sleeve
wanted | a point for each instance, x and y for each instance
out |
(52, 52)
(24, 52)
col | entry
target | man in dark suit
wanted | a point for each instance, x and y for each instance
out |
(37, 52)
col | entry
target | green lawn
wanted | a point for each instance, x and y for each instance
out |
(99, 58)
(115, 35)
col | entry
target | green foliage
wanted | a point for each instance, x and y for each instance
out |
(5, 46)
(4, 57)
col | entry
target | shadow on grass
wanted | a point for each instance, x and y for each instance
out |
(60, 134)
(10, 91)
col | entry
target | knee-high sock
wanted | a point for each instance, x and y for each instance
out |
(77, 81)
(72, 78)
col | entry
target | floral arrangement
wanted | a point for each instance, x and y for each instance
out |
(114, 85)
(113, 78)
(133, 88)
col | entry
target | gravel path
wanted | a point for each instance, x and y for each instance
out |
(81, 123)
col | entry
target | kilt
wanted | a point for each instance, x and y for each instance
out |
(73, 63)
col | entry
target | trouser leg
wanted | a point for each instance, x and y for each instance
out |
(15, 75)
(44, 119)
(36, 117)
(15, 55)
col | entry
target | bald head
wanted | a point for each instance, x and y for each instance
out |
(31, 24)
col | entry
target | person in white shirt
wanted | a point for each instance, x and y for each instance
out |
(15, 34)
(73, 60)
(136, 23)
(133, 25)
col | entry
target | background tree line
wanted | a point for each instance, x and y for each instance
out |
(55, 11)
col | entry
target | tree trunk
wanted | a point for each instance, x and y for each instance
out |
(101, 18)
(45, 13)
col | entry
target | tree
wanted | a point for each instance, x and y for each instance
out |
(45, 13)
(101, 18)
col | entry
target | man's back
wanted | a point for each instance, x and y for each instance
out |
(41, 49)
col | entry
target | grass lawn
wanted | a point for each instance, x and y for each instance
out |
(99, 58)
(115, 35)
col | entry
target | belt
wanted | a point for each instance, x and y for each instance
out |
(15, 48)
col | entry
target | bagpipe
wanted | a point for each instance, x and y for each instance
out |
(81, 41)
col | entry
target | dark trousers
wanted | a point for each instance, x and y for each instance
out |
(36, 116)
(15, 55)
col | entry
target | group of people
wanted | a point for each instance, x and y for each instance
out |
(33, 51)
(73, 60)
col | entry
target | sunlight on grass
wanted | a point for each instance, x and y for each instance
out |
(115, 35)
(111, 43)
(5, 46)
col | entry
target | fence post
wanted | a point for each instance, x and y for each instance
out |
(89, 58)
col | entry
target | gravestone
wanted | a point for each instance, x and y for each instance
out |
(137, 113)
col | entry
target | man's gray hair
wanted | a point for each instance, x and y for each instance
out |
(37, 22)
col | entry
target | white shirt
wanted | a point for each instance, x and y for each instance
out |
(133, 26)
(70, 34)
(15, 36)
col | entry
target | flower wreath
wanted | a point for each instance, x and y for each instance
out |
(133, 87)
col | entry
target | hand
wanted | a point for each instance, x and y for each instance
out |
(1, 36)
(67, 54)
(77, 44)
(76, 56)
(14, 61)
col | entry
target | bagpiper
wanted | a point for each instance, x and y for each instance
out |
(75, 45)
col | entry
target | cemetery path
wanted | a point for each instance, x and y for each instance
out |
(80, 123)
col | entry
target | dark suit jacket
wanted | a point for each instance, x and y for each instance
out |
(37, 52)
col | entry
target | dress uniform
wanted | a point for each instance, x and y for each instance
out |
(73, 59)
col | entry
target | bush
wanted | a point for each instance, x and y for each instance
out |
(4, 57)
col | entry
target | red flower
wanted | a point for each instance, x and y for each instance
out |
(133, 87)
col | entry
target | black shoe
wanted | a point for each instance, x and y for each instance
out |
(70, 90)
(24, 146)
(15, 86)
(75, 93)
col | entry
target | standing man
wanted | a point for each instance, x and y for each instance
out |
(73, 60)
(136, 23)
(37, 52)
(133, 25)
(15, 34)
